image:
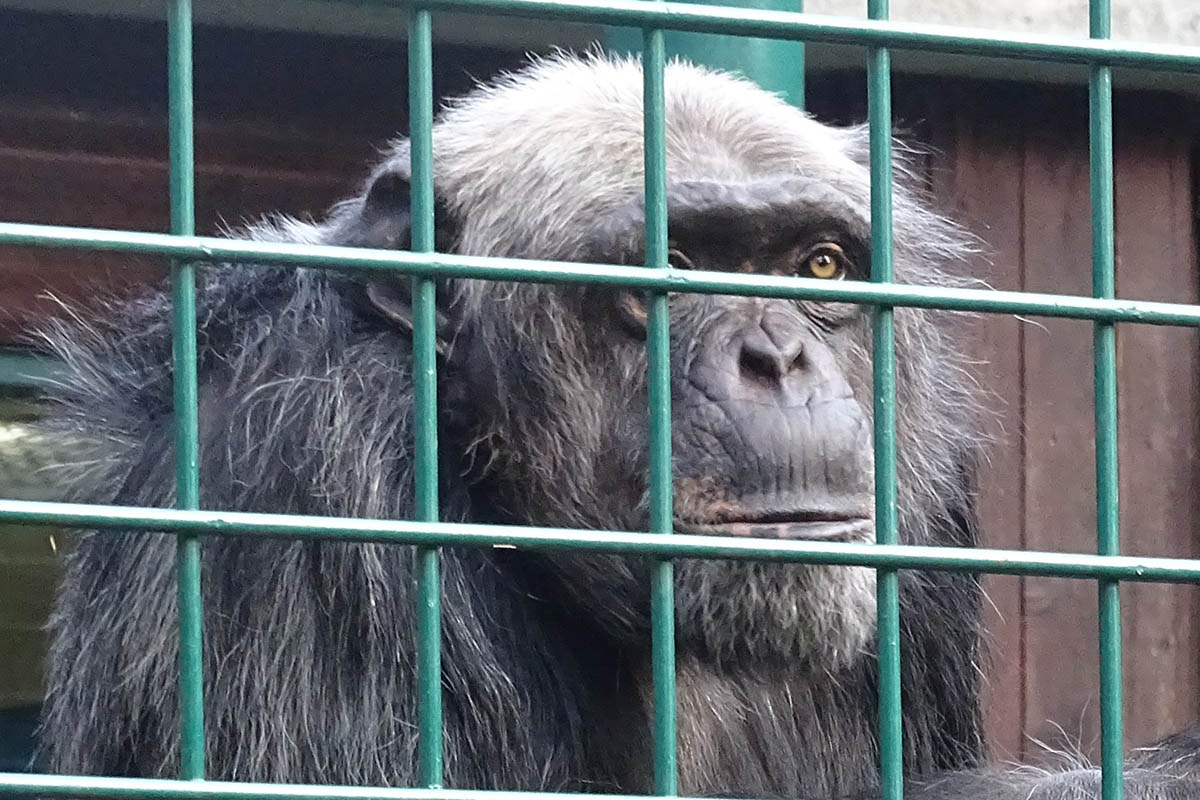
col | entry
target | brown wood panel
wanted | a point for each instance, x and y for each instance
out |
(99, 190)
(1158, 418)
(1159, 408)
(976, 175)
(1061, 637)
(273, 146)
(1049, 425)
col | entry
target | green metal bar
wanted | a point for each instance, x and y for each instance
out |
(1100, 138)
(26, 785)
(25, 370)
(634, 277)
(183, 326)
(429, 616)
(788, 25)
(659, 355)
(887, 582)
(678, 545)
(427, 533)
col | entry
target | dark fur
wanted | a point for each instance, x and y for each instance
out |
(306, 406)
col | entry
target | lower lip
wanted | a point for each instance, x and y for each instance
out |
(840, 530)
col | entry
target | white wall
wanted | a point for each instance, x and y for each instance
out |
(1161, 21)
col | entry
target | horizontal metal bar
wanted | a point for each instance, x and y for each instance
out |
(202, 248)
(25, 370)
(21, 784)
(764, 24)
(451, 534)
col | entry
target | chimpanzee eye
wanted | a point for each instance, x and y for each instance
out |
(678, 260)
(826, 261)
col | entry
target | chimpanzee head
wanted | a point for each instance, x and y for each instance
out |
(544, 387)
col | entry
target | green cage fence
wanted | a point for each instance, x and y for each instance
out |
(879, 36)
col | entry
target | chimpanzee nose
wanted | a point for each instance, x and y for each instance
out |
(766, 358)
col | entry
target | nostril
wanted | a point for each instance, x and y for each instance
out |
(760, 363)
(798, 361)
(770, 360)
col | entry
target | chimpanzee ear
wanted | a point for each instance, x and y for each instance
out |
(384, 221)
(391, 299)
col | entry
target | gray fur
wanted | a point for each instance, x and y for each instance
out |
(306, 406)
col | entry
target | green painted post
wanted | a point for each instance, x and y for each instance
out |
(775, 65)
(183, 322)
(429, 612)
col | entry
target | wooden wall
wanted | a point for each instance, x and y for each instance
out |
(283, 122)
(1011, 162)
(286, 123)
(1023, 179)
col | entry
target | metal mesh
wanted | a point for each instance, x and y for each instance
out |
(1107, 567)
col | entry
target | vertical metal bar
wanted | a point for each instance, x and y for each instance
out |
(799, 88)
(879, 114)
(183, 322)
(429, 614)
(659, 354)
(1100, 142)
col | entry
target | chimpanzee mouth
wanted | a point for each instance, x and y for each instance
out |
(843, 526)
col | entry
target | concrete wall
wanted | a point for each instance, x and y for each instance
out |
(1174, 22)
(1163, 21)
(1167, 21)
